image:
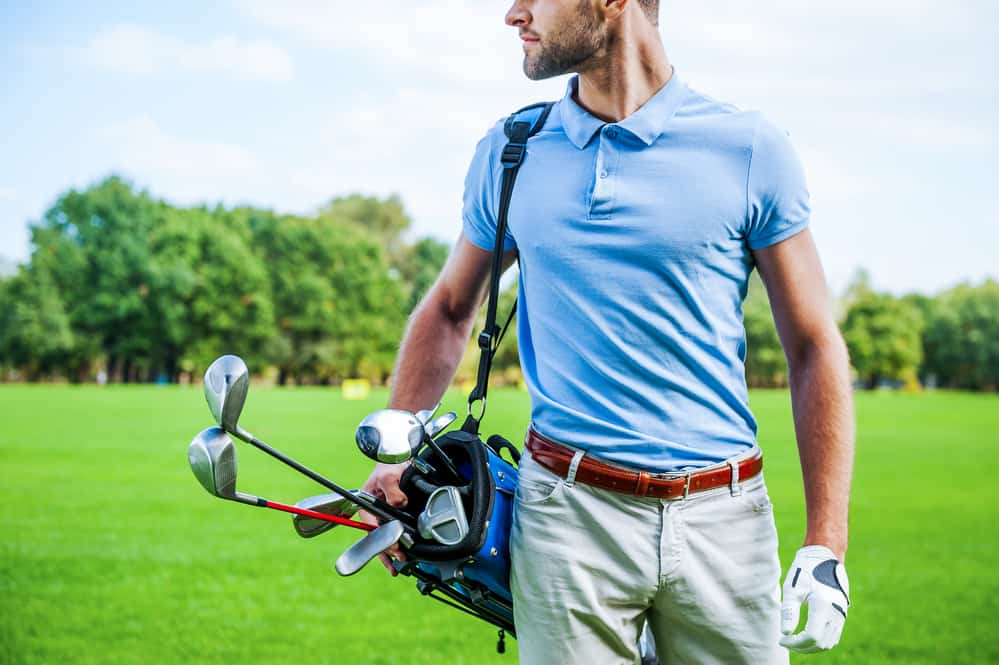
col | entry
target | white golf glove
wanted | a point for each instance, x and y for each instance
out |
(817, 578)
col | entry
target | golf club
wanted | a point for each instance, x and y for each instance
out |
(212, 457)
(360, 553)
(393, 436)
(227, 381)
(444, 520)
(440, 423)
(328, 504)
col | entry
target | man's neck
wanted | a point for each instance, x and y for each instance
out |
(634, 68)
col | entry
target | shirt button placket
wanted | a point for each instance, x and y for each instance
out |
(603, 185)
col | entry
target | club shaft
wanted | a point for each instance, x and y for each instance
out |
(305, 512)
(377, 507)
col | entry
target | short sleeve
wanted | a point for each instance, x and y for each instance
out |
(777, 194)
(479, 206)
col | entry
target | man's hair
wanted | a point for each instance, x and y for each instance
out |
(651, 9)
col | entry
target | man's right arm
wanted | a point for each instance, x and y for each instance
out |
(433, 345)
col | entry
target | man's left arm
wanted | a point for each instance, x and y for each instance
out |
(822, 402)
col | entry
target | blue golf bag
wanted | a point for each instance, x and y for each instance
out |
(473, 574)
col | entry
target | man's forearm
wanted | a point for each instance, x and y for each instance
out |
(822, 399)
(428, 358)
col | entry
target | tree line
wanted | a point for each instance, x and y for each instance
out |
(133, 288)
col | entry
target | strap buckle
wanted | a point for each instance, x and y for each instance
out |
(513, 154)
(686, 483)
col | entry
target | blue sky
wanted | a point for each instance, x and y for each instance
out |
(892, 105)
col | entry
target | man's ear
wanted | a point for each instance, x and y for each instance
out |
(612, 9)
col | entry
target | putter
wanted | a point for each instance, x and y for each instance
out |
(212, 457)
(360, 553)
(227, 381)
(328, 504)
(444, 518)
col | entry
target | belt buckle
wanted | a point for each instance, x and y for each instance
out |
(686, 483)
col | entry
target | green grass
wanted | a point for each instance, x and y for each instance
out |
(110, 552)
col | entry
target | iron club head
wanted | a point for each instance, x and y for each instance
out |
(227, 380)
(440, 423)
(389, 435)
(330, 504)
(212, 457)
(360, 553)
(425, 415)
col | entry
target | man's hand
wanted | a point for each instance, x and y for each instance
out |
(817, 578)
(384, 484)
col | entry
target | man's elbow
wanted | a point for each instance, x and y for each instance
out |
(826, 347)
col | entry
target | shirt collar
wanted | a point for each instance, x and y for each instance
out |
(647, 123)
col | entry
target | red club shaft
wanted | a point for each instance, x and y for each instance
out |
(319, 516)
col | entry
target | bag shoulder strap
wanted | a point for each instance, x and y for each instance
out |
(518, 128)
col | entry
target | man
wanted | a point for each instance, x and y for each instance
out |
(638, 215)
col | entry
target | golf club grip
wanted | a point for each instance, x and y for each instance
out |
(305, 512)
(377, 507)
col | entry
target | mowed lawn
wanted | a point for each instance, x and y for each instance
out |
(110, 551)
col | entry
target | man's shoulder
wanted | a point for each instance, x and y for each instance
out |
(728, 125)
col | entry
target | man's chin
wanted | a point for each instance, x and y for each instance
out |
(535, 73)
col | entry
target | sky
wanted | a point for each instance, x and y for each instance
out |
(891, 104)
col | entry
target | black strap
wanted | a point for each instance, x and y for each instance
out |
(517, 132)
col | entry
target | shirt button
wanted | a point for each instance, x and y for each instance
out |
(612, 133)
(603, 174)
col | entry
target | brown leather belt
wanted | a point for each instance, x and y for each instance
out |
(557, 458)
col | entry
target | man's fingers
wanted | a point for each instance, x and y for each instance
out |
(800, 643)
(387, 562)
(831, 637)
(395, 496)
(790, 612)
(821, 632)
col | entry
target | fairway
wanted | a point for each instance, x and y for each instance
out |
(110, 551)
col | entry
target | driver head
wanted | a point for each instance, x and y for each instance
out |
(390, 435)
(213, 460)
(226, 382)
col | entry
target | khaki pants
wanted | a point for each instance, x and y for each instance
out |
(590, 566)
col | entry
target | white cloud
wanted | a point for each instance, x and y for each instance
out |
(453, 41)
(141, 144)
(7, 194)
(186, 170)
(138, 50)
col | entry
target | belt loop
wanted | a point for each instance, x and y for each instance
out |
(734, 487)
(570, 476)
(686, 484)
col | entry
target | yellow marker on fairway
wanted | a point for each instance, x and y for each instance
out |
(355, 389)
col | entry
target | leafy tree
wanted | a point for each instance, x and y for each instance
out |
(766, 365)
(419, 265)
(883, 335)
(35, 333)
(962, 337)
(385, 220)
(339, 313)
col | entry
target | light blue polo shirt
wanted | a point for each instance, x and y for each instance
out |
(634, 241)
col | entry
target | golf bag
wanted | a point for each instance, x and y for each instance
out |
(473, 574)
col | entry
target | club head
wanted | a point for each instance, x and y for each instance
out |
(226, 381)
(329, 504)
(360, 553)
(440, 423)
(425, 415)
(389, 435)
(212, 457)
(444, 519)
